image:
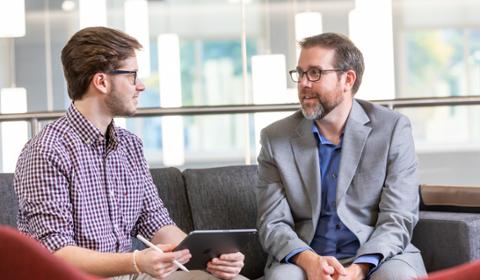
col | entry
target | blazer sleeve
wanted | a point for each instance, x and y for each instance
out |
(398, 205)
(275, 222)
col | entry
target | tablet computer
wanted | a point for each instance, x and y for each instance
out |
(205, 245)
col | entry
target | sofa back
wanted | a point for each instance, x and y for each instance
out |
(224, 198)
(8, 201)
(171, 189)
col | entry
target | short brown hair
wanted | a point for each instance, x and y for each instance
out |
(92, 50)
(347, 55)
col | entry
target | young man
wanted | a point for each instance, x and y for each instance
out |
(83, 184)
(338, 191)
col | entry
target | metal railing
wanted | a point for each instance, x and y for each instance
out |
(35, 117)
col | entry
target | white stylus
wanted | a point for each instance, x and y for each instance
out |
(153, 246)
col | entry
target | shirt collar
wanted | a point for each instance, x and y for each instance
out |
(86, 130)
(321, 139)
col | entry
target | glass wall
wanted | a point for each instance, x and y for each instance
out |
(230, 52)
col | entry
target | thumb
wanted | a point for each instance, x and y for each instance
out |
(166, 247)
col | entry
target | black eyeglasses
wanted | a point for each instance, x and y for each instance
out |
(313, 74)
(119, 72)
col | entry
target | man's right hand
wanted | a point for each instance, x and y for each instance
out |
(319, 268)
(160, 265)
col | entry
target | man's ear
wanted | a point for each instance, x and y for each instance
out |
(100, 82)
(350, 79)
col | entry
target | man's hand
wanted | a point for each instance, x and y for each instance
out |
(319, 268)
(160, 265)
(227, 266)
(356, 271)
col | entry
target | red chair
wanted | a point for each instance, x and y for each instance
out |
(22, 257)
(468, 271)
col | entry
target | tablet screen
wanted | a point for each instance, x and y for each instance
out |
(207, 244)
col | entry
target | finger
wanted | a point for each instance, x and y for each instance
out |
(216, 270)
(184, 259)
(166, 247)
(233, 257)
(224, 268)
(217, 261)
(222, 274)
(164, 269)
(328, 269)
(165, 258)
(336, 265)
(181, 254)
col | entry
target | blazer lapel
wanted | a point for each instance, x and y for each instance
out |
(305, 152)
(354, 139)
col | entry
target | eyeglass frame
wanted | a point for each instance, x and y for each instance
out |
(301, 73)
(122, 72)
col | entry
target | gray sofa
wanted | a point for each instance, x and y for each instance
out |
(221, 198)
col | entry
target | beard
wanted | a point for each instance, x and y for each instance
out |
(116, 104)
(323, 107)
(316, 112)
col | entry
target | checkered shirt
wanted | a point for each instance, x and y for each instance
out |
(76, 189)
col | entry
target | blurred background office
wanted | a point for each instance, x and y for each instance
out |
(200, 54)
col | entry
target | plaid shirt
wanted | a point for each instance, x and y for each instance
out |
(76, 189)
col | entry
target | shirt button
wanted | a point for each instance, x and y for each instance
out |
(112, 193)
(334, 176)
(338, 226)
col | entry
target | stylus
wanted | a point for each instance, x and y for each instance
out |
(151, 245)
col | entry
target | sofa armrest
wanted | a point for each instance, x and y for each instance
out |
(445, 198)
(447, 239)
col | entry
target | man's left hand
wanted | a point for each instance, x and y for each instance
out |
(227, 266)
(356, 271)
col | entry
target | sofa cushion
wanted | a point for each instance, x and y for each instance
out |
(224, 198)
(170, 186)
(447, 239)
(8, 200)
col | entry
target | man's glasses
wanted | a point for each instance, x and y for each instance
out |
(313, 74)
(120, 72)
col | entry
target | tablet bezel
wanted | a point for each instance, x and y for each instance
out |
(207, 244)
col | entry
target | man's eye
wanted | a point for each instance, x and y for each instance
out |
(315, 72)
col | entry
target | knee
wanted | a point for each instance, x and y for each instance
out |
(394, 270)
(284, 271)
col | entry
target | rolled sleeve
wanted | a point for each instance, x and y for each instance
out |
(42, 191)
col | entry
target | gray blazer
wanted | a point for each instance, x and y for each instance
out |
(377, 191)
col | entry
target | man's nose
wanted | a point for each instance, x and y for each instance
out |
(139, 85)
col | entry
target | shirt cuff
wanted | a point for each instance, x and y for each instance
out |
(294, 252)
(372, 259)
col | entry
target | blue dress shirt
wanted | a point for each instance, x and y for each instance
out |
(332, 237)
